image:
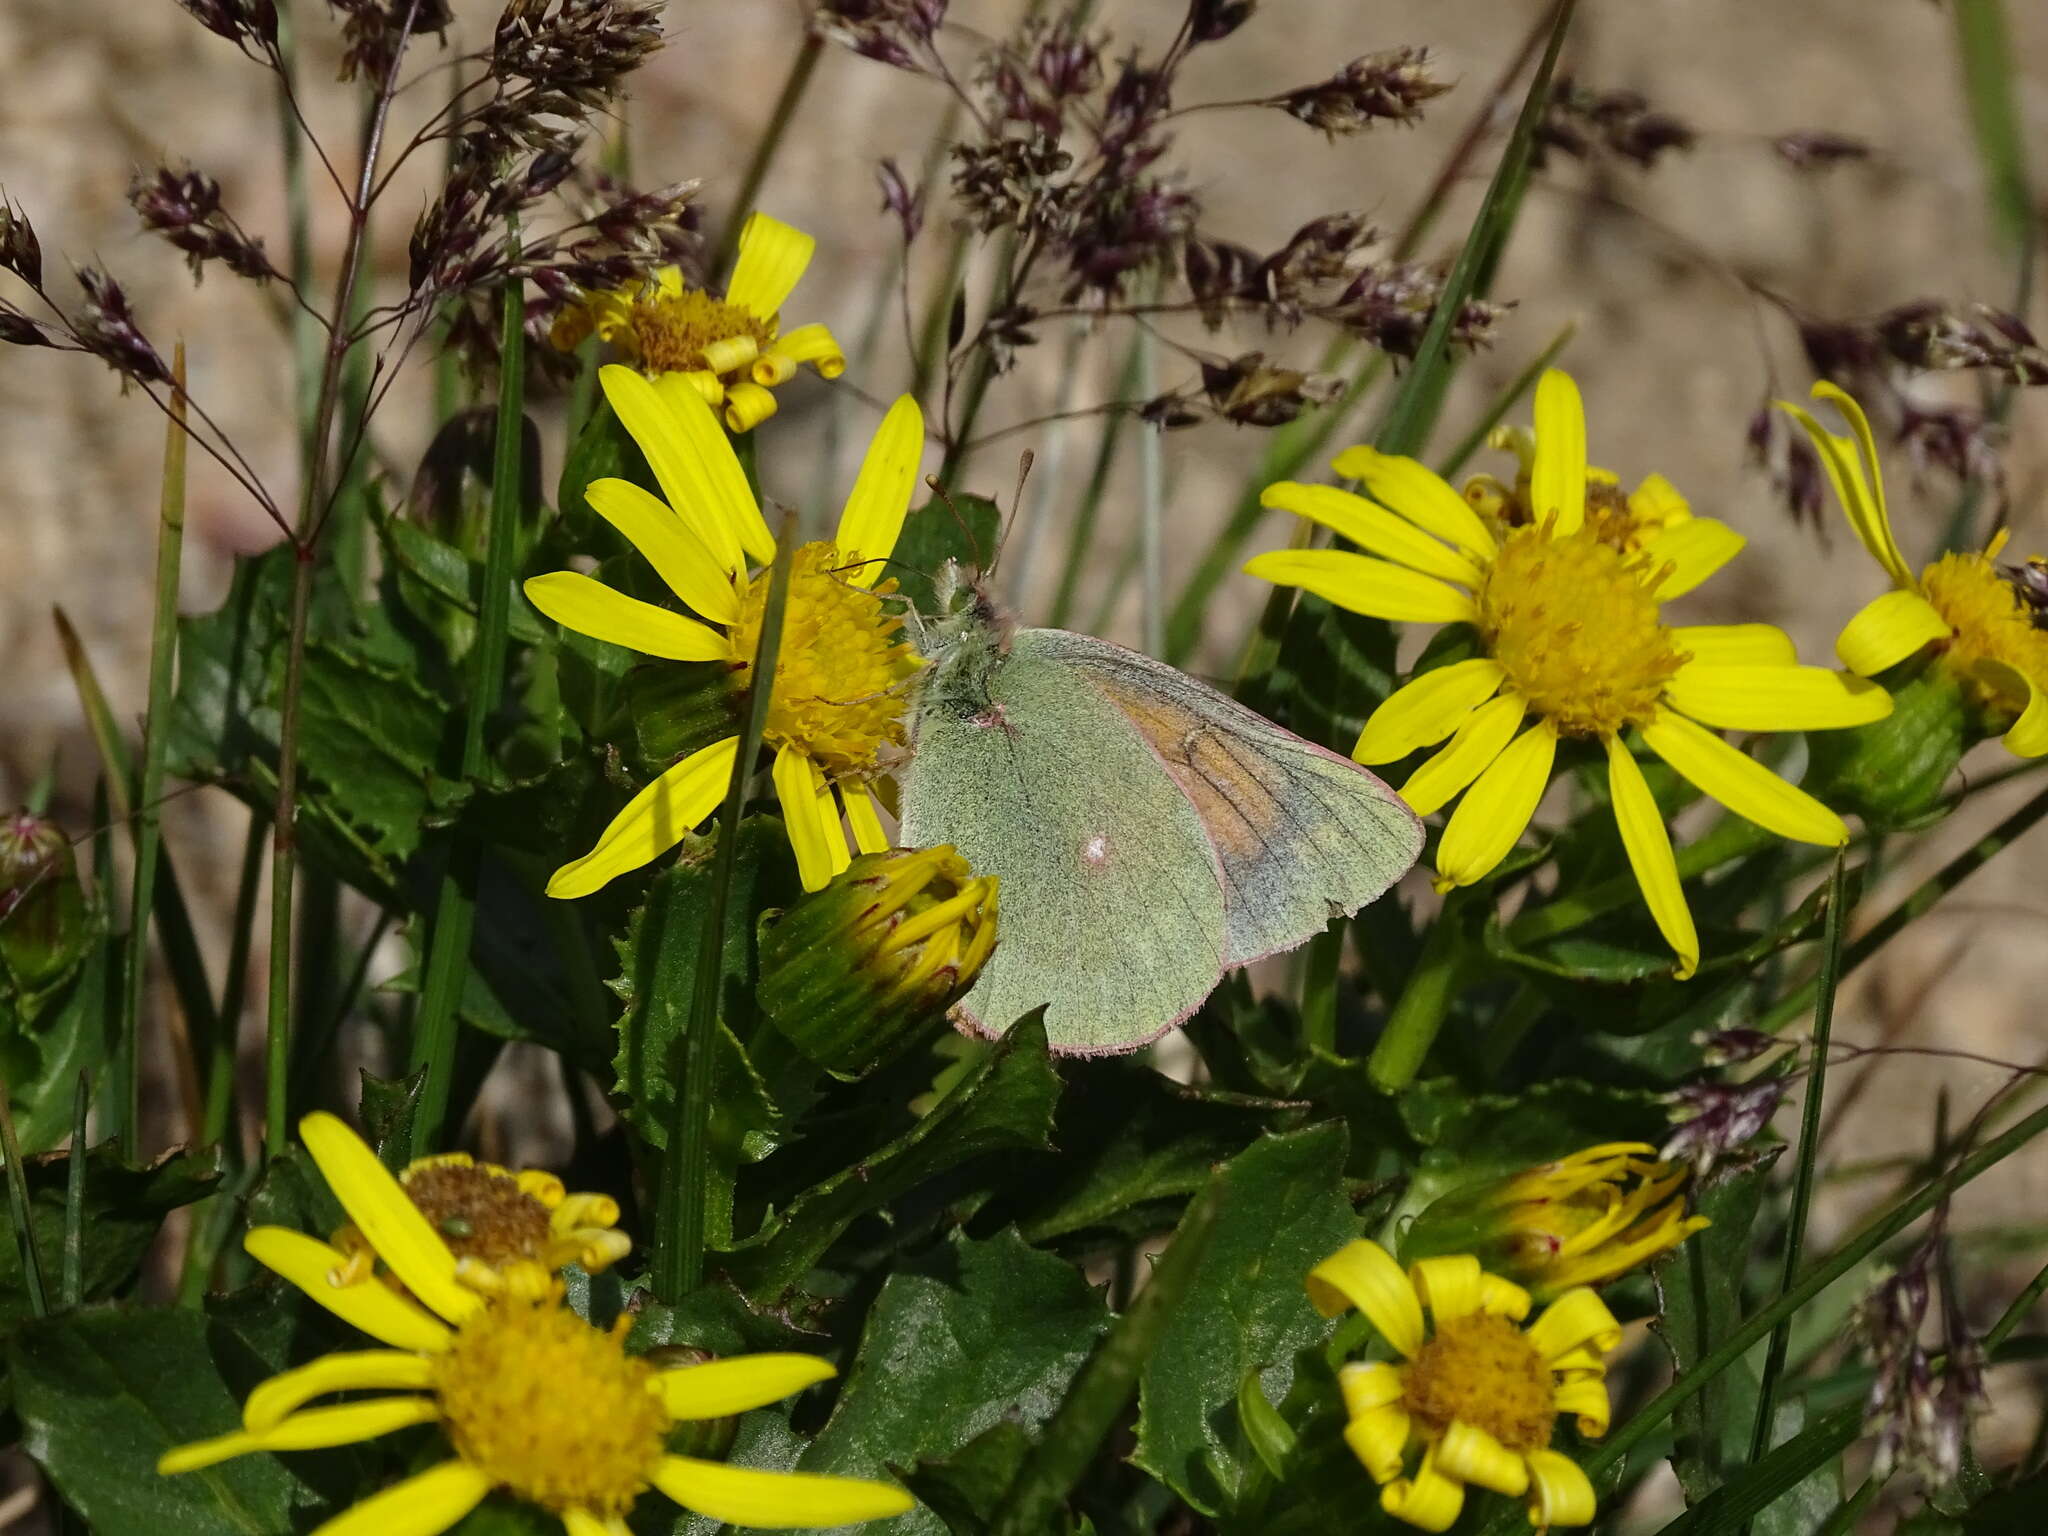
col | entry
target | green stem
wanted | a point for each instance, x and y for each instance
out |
(686, 1162)
(2016, 1312)
(448, 942)
(793, 88)
(71, 1280)
(163, 648)
(1319, 987)
(1845, 1516)
(21, 1210)
(1082, 535)
(1809, 1155)
(1425, 1002)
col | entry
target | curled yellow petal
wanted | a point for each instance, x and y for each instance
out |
(813, 344)
(1560, 1493)
(1497, 808)
(1888, 629)
(1449, 1286)
(1741, 783)
(747, 405)
(1587, 1399)
(1365, 585)
(1426, 709)
(1368, 1384)
(1429, 1501)
(1471, 1455)
(1648, 847)
(1378, 1437)
(653, 822)
(1364, 1275)
(1578, 1317)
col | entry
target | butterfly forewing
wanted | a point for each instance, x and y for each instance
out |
(1301, 834)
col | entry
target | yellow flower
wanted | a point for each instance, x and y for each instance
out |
(1478, 1394)
(1566, 602)
(838, 699)
(1591, 1217)
(532, 1399)
(731, 349)
(1982, 629)
(508, 1231)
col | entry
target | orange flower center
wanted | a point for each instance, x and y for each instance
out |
(481, 1213)
(672, 333)
(1992, 624)
(1576, 627)
(1482, 1370)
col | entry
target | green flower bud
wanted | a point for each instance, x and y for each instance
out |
(854, 973)
(1585, 1219)
(43, 917)
(1892, 772)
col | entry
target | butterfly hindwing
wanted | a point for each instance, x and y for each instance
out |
(1301, 834)
(1112, 912)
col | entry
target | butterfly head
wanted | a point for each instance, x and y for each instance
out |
(964, 643)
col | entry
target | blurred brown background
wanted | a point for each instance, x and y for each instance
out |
(1672, 351)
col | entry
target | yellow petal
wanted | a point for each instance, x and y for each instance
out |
(1428, 1501)
(1491, 818)
(1378, 1437)
(775, 1500)
(693, 460)
(811, 818)
(577, 1523)
(875, 508)
(772, 370)
(1372, 528)
(1426, 709)
(1741, 783)
(425, 1504)
(1419, 494)
(369, 1305)
(1657, 503)
(1365, 585)
(1694, 550)
(1448, 1286)
(1502, 1298)
(721, 1387)
(1887, 630)
(589, 607)
(1775, 698)
(772, 258)
(1587, 1398)
(862, 817)
(276, 1399)
(1486, 731)
(1862, 496)
(1557, 480)
(653, 822)
(813, 344)
(1736, 645)
(2029, 734)
(1649, 854)
(1560, 1493)
(1578, 1317)
(1471, 1455)
(747, 405)
(314, 1430)
(679, 556)
(1368, 1384)
(385, 1215)
(1364, 1275)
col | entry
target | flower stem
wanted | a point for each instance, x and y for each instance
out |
(686, 1162)
(793, 88)
(448, 944)
(21, 1211)
(1809, 1156)
(1424, 1003)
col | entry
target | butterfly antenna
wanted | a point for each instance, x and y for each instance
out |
(966, 530)
(1024, 462)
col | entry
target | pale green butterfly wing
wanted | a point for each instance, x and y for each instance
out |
(1300, 833)
(1111, 898)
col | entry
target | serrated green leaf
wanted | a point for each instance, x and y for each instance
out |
(102, 1394)
(964, 1488)
(50, 1036)
(1284, 1208)
(964, 1338)
(1004, 1103)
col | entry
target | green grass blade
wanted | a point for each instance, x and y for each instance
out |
(18, 1210)
(71, 1280)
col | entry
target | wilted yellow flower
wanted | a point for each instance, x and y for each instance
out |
(532, 1399)
(854, 972)
(1565, 591)
(838, 699)
(508, 1231)
(732, 349)
(1477, 1394)
(1980, 625)
(1589, 1218)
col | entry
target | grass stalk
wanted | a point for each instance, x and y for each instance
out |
(791, 96)
(18, 1206)
(678, 1266)
(448, 942)
(71, 1276)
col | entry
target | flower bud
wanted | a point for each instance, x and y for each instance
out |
(854, 973)
(43, 917)
(1585, 1219)
(1891, 772)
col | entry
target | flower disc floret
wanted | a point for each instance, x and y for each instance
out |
(839, 696)
(692, 330)
(1575, 627)
(551, 1409)
(1995, 646)
(1482, 1370)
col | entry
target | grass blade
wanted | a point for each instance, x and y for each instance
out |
(18, 1210)
(71, 1283)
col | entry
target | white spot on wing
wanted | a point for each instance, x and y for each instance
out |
(1095, 851)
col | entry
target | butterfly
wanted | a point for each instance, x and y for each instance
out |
(1149, 834)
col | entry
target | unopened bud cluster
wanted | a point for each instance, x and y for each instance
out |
(184, 207)
(1582, 122)
(1920, 1405)
(1385, 87)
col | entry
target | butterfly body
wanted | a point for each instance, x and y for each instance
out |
(1149, 833)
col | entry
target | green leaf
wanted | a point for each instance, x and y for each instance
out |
(967, 1337)
(388, 1107)
(965, 529)
(963, 1489)
(50, 1036)
(1794, 1472)
(603, 450)
(1284, 1208)
(1005, 1103)
(1701, 1296)
(102, 1394)
(124, 1208)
